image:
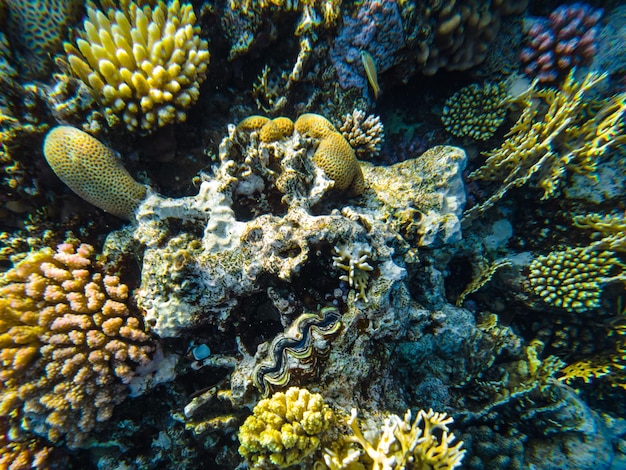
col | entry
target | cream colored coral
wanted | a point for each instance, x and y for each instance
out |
(354, 260)
(364, 134)
(145, 65)
(68, 343)
(284, 429)
(573, 278)
(334, 154)
(92, 171)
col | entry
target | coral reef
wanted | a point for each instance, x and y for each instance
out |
(476, 111)
(143, 64)
(564, 40)
(285, 429)
(567, 134)
(92, 171)
(364, 134)
(69, 343)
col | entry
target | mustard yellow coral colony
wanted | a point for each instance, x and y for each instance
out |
(68, 343)
(143, 64)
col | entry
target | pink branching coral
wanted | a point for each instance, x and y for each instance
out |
(564, 40)
(68, 343)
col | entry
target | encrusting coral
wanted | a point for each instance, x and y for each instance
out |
(68, 343)
(285, 429)
(144, 64)
(476, 110)
(558, 131)
(334, 154)
(92, 171)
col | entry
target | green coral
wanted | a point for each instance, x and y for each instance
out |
(284, 430)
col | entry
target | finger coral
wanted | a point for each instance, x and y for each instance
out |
(564, 40)
(573, 279)
(364, 134)
(144, 64)
(92, 171)
(475, 111)
(68, 343)
(285, 429)
(334, 154)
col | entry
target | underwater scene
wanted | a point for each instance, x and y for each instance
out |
(312, 234)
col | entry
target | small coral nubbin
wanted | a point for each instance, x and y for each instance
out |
(92, 171)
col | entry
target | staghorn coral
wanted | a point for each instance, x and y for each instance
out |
(334, 154)
(557, 131)
(143, 64)
(69, 343)
(610, 227)
(365, 135)
(22, 454)
(284, 430)
(425, 443)
(92, 171)
(353, 260)
(37, 29)
(573, 279)
(301, 343)
(476, 111)
(566, 39)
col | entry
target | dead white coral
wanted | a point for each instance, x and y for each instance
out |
(365, 134)
(354, 260)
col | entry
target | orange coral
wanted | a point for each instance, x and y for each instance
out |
(68, 343)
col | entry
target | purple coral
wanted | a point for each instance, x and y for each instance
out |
(565, 39)
(377, 29)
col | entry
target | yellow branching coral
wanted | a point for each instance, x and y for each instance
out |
(476, 110)
(144, 64)
(425, 443)
(610, 227)
(354, 261)
(68, 343)
(284, 429)
(573, 278)
(92, 171)
(557, 131)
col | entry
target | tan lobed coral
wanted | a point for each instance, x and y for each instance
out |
(144, 64)
(68, 343)
(334, 154)
(92, 171)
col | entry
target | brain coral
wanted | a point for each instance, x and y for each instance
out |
(92, 171)
(334, 154)
(144, 64)
(68, 343)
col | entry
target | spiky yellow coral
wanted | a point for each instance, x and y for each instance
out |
(573, 278)
(334, 154)
(68, 343)
(92, 171)
(610, 227)
(285, 429)
(425, 443)
(144, 64)
(558, 131)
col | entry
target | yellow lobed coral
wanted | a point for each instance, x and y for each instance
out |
(144, 64)
(334, 155)
(425, 443)
(557, 131)
(475, 111)
(573, 279)
(92, 171)
(284, 429)
(270, 130)
(68, 343)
